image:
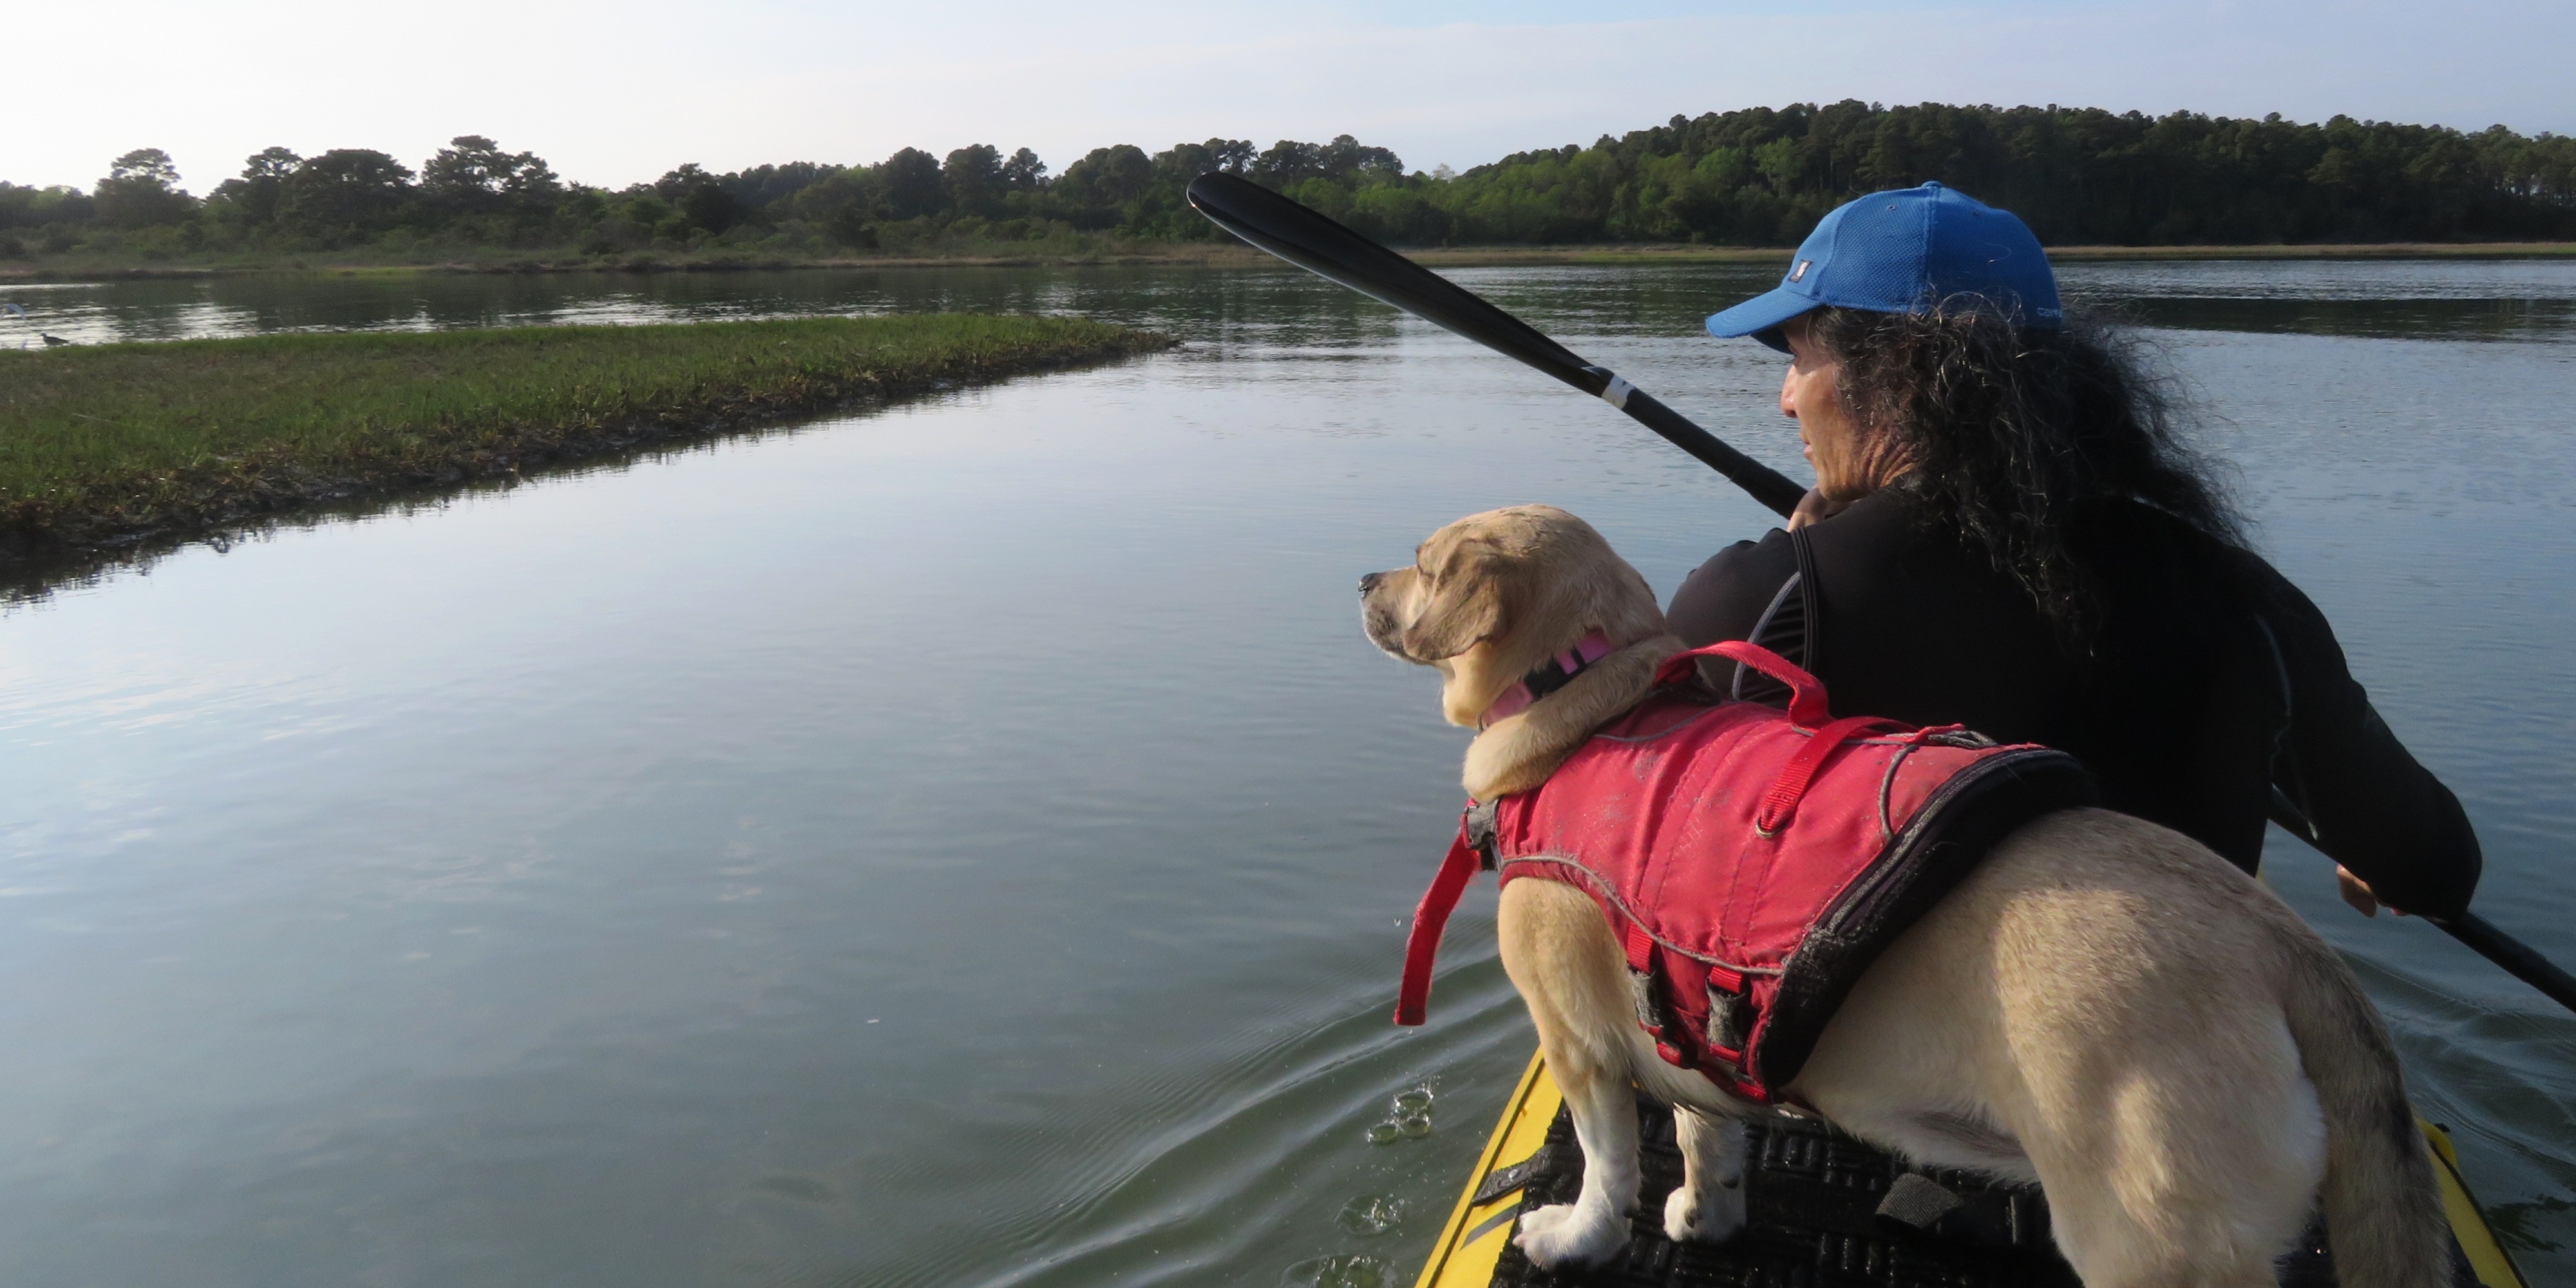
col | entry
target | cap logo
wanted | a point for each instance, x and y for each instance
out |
(1801, 270)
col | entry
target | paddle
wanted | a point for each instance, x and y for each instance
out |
(1317, 244)
(2517, 958)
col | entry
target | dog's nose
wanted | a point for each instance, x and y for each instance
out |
(1368, 582)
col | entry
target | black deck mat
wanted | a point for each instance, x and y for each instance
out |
(1812, 1199)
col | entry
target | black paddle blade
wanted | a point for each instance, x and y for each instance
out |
(1317, 244)
(1313, 242)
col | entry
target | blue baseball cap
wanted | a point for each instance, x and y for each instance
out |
(1903, 252)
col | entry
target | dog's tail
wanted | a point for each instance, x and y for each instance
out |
(2383, 1207)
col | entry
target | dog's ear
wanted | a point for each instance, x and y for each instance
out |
(1471, 601)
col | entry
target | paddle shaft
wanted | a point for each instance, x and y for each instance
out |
(1775, 491)
(1321, 246)
(2518, 959)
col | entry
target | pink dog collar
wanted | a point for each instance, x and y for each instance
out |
(1546, 679)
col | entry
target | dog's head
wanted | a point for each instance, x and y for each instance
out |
(1494, 595)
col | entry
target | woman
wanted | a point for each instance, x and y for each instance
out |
(2006, 533)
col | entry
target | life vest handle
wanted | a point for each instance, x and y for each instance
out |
(1807, 706)
(1800, 773)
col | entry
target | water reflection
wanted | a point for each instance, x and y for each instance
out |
(2423, 318)
(969, 844)
(2504, 300)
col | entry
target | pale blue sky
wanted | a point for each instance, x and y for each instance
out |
(613, 93)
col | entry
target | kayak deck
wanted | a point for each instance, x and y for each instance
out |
(1825, 1210)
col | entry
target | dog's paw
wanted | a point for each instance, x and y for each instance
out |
(1558, 1238)
(1709, 1218)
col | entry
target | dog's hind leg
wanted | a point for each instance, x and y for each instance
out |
(2164, 1197)
(1558, 952)
(2140, 1054)
(1709, 1203)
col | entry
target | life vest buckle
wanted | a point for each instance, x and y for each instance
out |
(1481, 833)
(1649, 1008)
(1651, 1013)
(1729, 1019)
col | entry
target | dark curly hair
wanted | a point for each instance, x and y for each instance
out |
(2006, 432)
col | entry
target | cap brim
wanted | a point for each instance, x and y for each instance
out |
(1761, 316)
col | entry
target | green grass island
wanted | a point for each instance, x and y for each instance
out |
(106, 446)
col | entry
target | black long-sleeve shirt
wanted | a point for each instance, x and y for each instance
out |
(2207, 679)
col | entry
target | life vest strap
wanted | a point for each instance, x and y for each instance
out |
(1430, 917)
(1640, 946)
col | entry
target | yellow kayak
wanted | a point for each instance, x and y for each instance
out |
(1811, 1221)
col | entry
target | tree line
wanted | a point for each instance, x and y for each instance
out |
(1756, 177)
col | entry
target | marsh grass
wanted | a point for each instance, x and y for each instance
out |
(112, 443)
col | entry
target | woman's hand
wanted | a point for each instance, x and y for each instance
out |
(2355, 891)
(1814, 508)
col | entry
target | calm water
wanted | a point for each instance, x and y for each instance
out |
(970, 843)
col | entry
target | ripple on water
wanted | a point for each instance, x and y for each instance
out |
(1370, 1215)
(1264, 1172)
(1344, 1270)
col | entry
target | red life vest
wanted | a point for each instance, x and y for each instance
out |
(1752, 862)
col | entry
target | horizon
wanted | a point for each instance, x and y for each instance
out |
(653, 87)
(1053, 168)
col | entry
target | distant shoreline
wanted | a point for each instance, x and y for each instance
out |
(1209, 255)
(1502, 255)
